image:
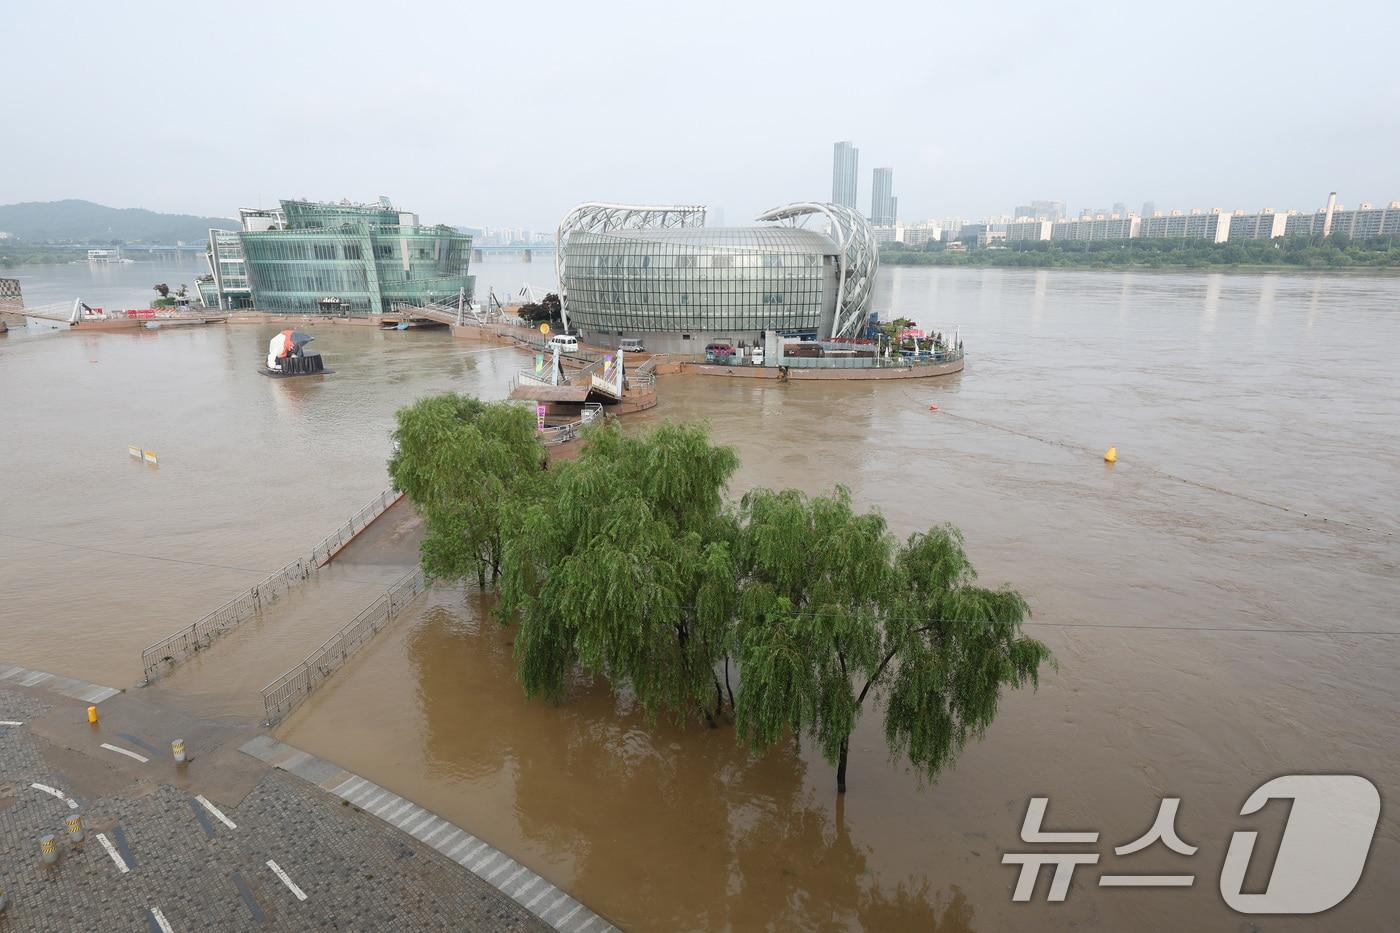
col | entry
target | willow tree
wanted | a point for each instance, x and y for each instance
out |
(623, 570)
(833, 612)
(461, 461)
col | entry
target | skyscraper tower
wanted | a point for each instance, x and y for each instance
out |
(844, 164)
(882, 199)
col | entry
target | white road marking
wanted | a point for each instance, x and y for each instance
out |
(569, 916)
(125, 751)
(529, 883)
(164, 924)
(218, 814)
(513, 876)
(471, 855)
(344, 784)
(72, 804)
(291, 885)
(369, 804)
(503, 866)
(112, 851)
(587, 925)
(10, 722)
(481, 865)
(541, 896)
(458, 847)
(436, 831)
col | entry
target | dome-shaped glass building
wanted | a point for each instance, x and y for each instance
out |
(657, 273)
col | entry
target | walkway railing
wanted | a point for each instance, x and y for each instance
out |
(563, 433)
(282, 695)
(938, 358)
(176, 647)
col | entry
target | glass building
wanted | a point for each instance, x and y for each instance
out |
(681, 286)
(317, 257)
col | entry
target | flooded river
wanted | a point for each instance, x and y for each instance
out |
(1257, 420)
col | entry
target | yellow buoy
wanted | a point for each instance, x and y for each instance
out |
(1110, 455)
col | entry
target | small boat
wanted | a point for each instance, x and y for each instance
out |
(287, 357)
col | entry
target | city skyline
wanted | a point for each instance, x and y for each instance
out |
(523, 146)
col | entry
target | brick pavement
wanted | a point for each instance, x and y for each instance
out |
(356, 872)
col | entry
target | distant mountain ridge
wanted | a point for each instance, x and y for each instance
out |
(75, 221)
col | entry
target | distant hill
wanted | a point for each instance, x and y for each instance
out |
(86, 222)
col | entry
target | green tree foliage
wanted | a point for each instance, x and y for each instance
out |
(548, 309)
(625, 570)
(833, 611)
(462, 461)
(626, 564)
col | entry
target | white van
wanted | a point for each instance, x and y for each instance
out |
(565, 342)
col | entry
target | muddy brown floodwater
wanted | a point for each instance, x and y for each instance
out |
(1256, 419)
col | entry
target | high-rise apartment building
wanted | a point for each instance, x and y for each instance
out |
(882, 200)
(845, 163)
(1098, 227)
(1213, 225)
(1265, 225)
(1041, 210)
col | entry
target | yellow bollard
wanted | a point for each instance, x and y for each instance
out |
(1110, 455)
(92, 715)
(177, 748)
(74, 824)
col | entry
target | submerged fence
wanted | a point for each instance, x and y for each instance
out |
(175, 648)
(282, 695)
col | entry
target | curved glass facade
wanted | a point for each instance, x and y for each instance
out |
(700, 280)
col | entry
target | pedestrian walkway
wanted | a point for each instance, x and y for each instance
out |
(172, 848)
(522, 885)
(66, 686)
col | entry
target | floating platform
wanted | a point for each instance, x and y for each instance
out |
(308, 365)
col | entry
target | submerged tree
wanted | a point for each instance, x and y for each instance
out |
(833, 611)
(624, 570)
(461, 461)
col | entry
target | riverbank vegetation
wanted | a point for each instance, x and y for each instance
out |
(783, 613)
(1336, 252)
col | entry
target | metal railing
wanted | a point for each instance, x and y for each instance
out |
(282, 695)
(332, 543)
(178, 646)
(555, 434)
(870, 362)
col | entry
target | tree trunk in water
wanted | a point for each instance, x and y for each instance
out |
(841, 766)
(719, 699)
(726, 683)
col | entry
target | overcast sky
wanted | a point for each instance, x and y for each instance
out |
(506, 113)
